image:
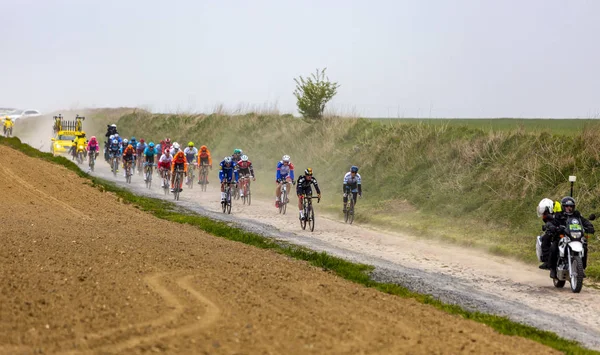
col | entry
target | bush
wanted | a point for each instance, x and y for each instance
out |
(313, 94)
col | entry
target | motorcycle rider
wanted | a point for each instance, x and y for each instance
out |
(546, 210)
(560, 219)
(111, 130)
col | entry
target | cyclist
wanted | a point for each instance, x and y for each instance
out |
(173, 150)
(304, 188)
(133, 142)
(237, 155)
(245, 170)
(204, 158)
(93, 147)
(139, 149)
(226, 174)
(190, 154)
(285, 169)
(352, 181)
(128, 154)
(164, 164)
(8, 124)
(149, 153)
(113, 152)
(179, 161)
(165, 146)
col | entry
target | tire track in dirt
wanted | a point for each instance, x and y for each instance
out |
(211, 314)
(32, 190)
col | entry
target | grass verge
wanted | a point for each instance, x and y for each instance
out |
(358, 273)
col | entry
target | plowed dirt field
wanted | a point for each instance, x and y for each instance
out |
(82, 272)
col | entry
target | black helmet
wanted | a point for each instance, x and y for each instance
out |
(567, 201)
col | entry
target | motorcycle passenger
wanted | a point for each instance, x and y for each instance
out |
(164, 165)
(204, 158)
(179, 161)
(352, 181)
(106, 145)
(226, 174)
(560, 219)
(114, 150)
(128, 154)
(546, 210)
(111, 130)
(285, 169)
(304, 187)
(245, 170)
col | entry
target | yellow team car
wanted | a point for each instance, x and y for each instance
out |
(63, 142)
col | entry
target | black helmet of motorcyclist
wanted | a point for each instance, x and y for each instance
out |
(568, 205)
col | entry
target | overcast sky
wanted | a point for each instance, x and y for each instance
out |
(421, 58)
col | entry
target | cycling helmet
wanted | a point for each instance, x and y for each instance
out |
(176, 146)
(354, 169)
(244, 157)
(115, 141)
(227, 160)
(544, 207)
(132, 138)
(190, 144)
(203, 148)
(112, 136)
(112, 125)
(567, 201)
(151, 145)
(237, 151)
(168, 140)
(286, 158)
(142, 140)
(125, 141)
(308, 171)
(116, 135)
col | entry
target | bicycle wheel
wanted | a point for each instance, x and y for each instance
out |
(148, 178)
(311, 218)
(229, 205)
(285, 201)
(176, 190)
(350, 211)
(115, 166)
(249, 196)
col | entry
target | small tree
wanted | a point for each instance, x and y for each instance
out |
(313, 93)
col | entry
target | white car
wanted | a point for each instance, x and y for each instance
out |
(18, 114)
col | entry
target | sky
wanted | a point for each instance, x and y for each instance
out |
(421, 58)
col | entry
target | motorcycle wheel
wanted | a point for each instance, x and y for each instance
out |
(577, 276)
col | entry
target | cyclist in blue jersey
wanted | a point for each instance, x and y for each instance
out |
(226, 174)
(284, 174)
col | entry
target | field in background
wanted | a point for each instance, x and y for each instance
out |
(552, 126)
(472, 186)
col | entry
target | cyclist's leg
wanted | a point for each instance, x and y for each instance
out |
(354, 196)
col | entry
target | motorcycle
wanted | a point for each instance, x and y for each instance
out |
(571, 252)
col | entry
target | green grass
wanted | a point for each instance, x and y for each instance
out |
(358, 273)
(555, 126)
(471, 182)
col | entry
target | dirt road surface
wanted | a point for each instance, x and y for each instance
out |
(82, 272)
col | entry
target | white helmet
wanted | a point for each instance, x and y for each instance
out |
(176, 146)
(112, 136)
(125, 141)
(244, 157)
(116, 135)
(545, 206)
(113, 125)
(115, 141)
(286, 158)
(227, 160)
